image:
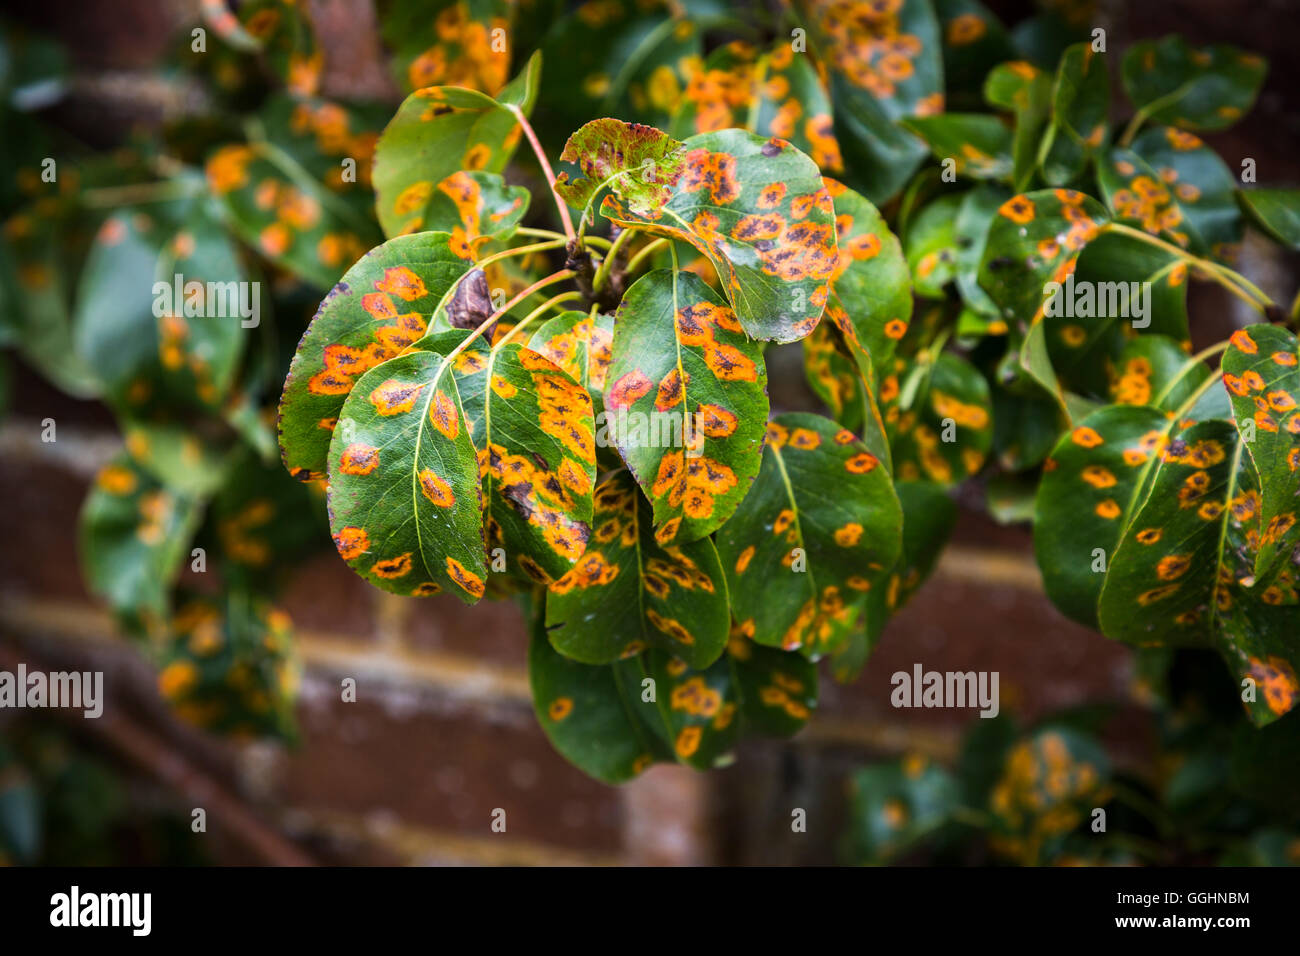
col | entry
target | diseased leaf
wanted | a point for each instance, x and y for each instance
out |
(1035, 239)
(475, 208)
(229, 667)
(1080, 103)
(945, 434)
(1136, 194)
(929, 516)
(638, 164)
(758, 210)
(451, 45)
(1207, 88)
(613, 721)
(533, 429)
(1261, 371)
(870, 297)
(134, 535)
(1276, 211)
(406, 508)
(790, 103)
(686, 398)
(897, 806)
(1050, 782)
(629, 593)
(164, 310)
(300, 191)
(438, 131)
(883, 66)
(819, 526)
(380, 307)
(778, 689)
(1202, 184)
(1093, 475)
(590, 713)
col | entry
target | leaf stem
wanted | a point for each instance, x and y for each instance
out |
(1234, 282)
(542, 161)
(607, 264)
(166, 191)
(555, 243)
(643, 253)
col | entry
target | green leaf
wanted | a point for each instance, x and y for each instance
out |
(1276, 211)
(638, 164)
(591, 714)
(931, 246)
(229, 667)
(380, 307)
(134, 535)
(1155, 370)
(1261, 371)
(1079, 126)
(38, 269)
(533, 428)
(164, 310)
(1088, 326)
(945, 434)
(629, 592)
(819, 526)
(970, 232)
(1207, 88)
(438, 131)
(404, 495)
(979, 145)
(613, 721)
(974, 42)
(582, 345)
(758, 210)
(896, 806)
(1201, 183)
(686, 399)
(1027, 91)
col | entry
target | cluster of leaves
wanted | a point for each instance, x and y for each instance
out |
(608, 454)
(1205, 787)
